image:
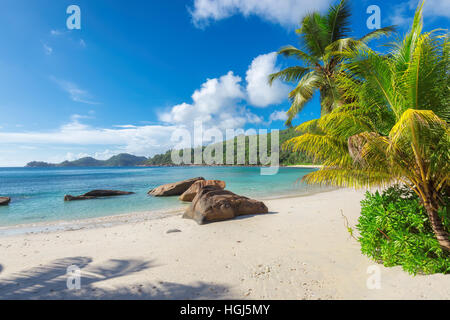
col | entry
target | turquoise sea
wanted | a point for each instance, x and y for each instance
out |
(37, 193)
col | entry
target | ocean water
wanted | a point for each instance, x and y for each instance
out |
(37, 193)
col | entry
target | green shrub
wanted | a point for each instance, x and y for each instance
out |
(394, 230)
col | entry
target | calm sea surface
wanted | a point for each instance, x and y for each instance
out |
(37, 193)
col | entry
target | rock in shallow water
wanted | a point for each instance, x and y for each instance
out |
(97, 194)
(4, 201)
(215, 204)
(190, 193)
(173, 189)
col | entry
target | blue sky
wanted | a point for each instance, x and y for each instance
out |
(137, 70)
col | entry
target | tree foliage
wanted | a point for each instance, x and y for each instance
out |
(323, 37)
(286, 157)
(394, 126)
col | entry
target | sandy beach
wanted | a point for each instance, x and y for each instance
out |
(300, 250)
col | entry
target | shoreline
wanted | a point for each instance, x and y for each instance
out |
(301, 249)
(306, 166)
(117, 219)
(310, 166)
(88, 223)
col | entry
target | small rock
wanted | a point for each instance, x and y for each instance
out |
(4, 201)
(97, 194)
(173, 231)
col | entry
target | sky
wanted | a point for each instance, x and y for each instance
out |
(138, 70)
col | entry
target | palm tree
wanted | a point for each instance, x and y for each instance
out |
(321, 35)
(396, 129)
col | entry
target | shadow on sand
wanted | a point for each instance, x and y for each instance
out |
(247, 216)
(50, 282)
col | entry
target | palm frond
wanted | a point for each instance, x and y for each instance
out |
(291, 51)
(302, 93)
(349, 178)
(291, 74)
(338, 20)
(376, 34)
(314, 33)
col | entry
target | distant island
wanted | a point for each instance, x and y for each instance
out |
(120, 160)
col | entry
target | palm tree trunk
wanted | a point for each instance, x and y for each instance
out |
(439, 231)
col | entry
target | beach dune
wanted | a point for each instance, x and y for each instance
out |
(299, 250)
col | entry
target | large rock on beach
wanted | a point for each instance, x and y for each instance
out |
(212, 204)
(97, 194)
(173, 189)
(4, 201)
(190, 193)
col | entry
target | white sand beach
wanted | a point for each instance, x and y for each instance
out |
(300, 250)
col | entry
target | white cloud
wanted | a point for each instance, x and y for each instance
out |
(260, 93)
(70, 156)
(279, 115)
(216, 103)
(433, 8)
(140, 140)
(287, 13)
(103, 155)
(125, 126)
(106, 154)
(78, 133)
(403, 13)
(76, 94)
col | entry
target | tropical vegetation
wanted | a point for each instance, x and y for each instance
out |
(286, 157)
(322, 38)
(393, 126)
(395, 230)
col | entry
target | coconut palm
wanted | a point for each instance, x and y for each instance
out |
(396, 128)
(321, 35)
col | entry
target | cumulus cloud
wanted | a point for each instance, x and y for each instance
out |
(260, 94)
(287, 13)
(216, 104)
(279, 115)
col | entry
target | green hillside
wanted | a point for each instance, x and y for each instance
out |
(120, 160)
(286, 157)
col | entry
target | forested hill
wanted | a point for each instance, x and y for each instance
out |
(120, 160)
(287, 157)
